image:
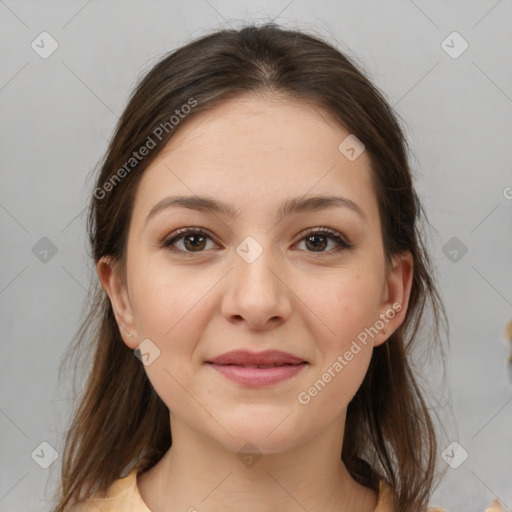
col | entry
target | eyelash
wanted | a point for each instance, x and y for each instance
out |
(342, 244)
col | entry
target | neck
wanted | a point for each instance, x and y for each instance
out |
(199, 474)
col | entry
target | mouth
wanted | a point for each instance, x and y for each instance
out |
(268, 358)
(261, 366)
(258, 369)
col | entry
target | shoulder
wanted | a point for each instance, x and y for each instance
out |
(122, 496)
(385, 505)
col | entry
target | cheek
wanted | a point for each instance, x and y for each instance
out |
(165, 299)
(347, 309)
(341, 307)
(169, 311)
(338, 382)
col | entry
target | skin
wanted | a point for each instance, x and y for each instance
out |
(254, 152)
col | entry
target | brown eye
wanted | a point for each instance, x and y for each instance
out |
(316, 242)
(194, 242)
(188, 241)
(319, 239)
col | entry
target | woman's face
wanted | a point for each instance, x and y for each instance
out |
(263, 276)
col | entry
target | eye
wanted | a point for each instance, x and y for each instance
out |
(317, 240)
(188, 240)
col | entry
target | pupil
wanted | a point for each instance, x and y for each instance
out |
(317, 246)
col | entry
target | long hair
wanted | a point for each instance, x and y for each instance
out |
(119, 421)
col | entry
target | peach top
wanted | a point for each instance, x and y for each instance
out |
(123, 496)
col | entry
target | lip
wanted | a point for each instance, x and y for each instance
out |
(247, 358)
(241, 366)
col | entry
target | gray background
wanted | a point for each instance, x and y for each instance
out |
(57, 115)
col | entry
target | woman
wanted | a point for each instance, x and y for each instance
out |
(256, 236)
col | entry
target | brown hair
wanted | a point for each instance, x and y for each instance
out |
(120, 422)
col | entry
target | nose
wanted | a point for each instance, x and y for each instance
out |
(256, 293)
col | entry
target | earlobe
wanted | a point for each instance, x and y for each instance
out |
(396, 293)
(113, 283)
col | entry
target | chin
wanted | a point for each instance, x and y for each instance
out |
(261, 433)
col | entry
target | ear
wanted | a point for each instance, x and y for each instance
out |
(113, 283)
(395, 295)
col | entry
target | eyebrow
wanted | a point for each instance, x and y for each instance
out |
(290, 206)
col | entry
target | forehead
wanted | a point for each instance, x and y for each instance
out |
(260, 126)
(258, 149)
